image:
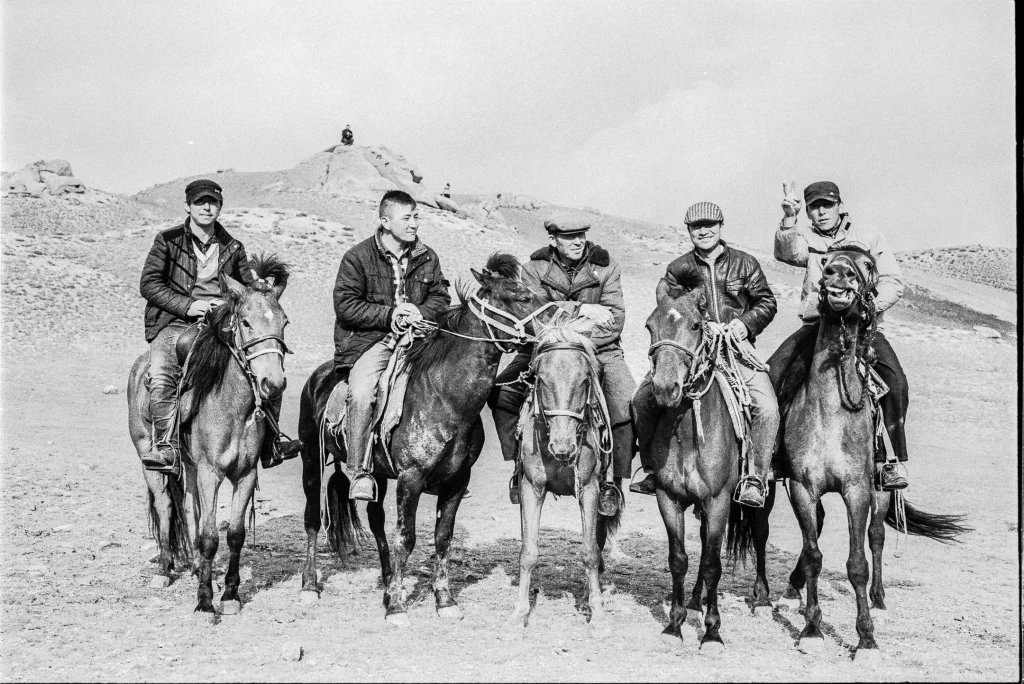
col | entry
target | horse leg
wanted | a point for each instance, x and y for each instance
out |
(375, 516)
(208, 486)
(797, 578)
(858, 503)
(697, 598)
(449, 496)
(716, 516)
(410, 486)
(760, 548)
(191, 511)
(876, 540)
(672, 514)
(311, 481)
(531, 503)
(229, 603)
(806, 502)
(593, 600)
(160, 523)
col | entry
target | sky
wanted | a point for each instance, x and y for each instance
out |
(636, 108)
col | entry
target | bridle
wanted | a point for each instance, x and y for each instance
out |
(866, 313)
(238, 350)
(515, 328)
(699, 354)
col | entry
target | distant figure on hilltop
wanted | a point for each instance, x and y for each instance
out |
(346, 136)
(447, 190)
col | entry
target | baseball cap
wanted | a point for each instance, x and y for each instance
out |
(566, 225)
(821, 190)
(703, 212)
(203, 188)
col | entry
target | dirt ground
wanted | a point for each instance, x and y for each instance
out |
(75, 544)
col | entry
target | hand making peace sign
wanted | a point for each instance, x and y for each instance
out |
(791, 201)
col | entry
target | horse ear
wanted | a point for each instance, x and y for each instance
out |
(482, 278)
(231, 287)
(277, 288)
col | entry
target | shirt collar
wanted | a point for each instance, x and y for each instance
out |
(409, 250)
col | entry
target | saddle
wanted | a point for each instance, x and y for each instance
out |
(389, 404)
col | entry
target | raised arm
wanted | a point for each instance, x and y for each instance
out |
(790, 245)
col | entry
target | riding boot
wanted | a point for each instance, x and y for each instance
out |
(364, 485)
(645, 412)
(277, 448)
(506, 423)
(163, 457)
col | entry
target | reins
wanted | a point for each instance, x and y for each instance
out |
(517, 330)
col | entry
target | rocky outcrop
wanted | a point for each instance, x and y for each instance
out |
(513, 201)
(44, 178)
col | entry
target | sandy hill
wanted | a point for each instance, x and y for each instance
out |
(994, 266)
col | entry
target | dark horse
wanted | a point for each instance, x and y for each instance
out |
(828, 444)
(435, 444)
(236, 366)
(695, 450)
(565, 440)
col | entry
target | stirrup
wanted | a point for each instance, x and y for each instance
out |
(889, 479)
(363, 488)
(608, 506)
(759, 485)
(513, 486)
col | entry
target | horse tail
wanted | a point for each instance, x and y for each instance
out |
(739, 537)
(344, 531)
(940, 527)
(178, 544)
(610, 523)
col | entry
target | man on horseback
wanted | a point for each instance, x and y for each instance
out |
(805, 247)
(737, 295)
(181, 282)
(390, 281)
(582, 279)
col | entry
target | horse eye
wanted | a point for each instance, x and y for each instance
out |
(246, 323)
(695, 326)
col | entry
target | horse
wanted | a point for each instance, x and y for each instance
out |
(695, 450)
(235, 367)
(828, 440)
(435, 444)
(566, 436)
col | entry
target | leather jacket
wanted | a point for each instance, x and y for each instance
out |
(734, 285)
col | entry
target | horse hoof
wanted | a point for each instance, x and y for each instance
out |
(867, 656)
(309, 598)
(790, 604)
(450, 613)
(811, 645)
(230, 607)
(712, 647)
(879, 616)
(160, 582)
(398, 620)
(763, 612)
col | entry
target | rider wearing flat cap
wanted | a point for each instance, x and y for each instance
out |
(181, 282)
(738, 295)
(583, 280)
(805, 247)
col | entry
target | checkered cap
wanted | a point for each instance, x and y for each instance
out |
(703, 211)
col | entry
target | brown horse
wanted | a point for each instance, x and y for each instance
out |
(566, 441)
(828, 441)
(236, 367)
(435, 444)
(695, 451)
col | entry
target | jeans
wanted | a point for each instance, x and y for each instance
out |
(164, 374)
(616, 382)
(895, 402)
(362, 400)
(764, 418)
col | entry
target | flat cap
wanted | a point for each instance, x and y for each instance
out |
(203, 188)
(821, 190)
(703, 211)
(565, 225)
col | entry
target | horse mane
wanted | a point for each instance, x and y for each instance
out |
(685, 282)
(562, 332)
(211, 354)
(794, 375)
(436, 346)
(266, 267)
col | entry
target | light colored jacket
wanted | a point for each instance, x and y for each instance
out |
(806, 247)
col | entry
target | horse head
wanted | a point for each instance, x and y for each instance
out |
(676, 328)
(565, 367)
(848, 279)
(257, 322)
(506, 300)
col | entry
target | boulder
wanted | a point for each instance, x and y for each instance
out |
(446, 203)
(60, 167)
(45, 177)
(59, 185)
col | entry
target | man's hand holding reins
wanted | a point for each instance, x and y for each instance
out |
(406, 314)
(600, 315)
(201, 307)
(737, 329)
